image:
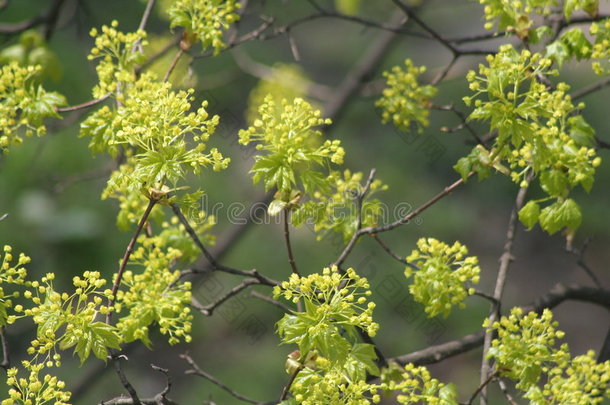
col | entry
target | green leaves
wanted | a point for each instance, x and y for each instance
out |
(554, 217)
(96, 338)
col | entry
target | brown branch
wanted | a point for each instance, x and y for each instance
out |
(174, 63)
(124, 381)
(6, 359)
(556, 296)
(208, 310)
(293, 264)
(87, 104)
(128, 251)
(159, 399)
(505, 261)
(387, 249)
(482, 387)
(286, 388)
(271, 301)
(580, 260)
(384, 228)
(211, 260)
(196, 370)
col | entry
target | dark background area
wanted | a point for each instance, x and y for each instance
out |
(51, 187)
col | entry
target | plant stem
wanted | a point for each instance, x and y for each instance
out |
(291, 260)
(128, 251)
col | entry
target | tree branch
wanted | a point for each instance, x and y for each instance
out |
(293, 264)
(128, 251)
(557, 295)
(196, 370)
(505, 261)
(211, 260)
(384, 228)
(208, 310)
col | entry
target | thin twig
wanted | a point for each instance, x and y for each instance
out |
(87, 104)
(557, 295)
(196, 370)
(580, 260)
(172, 66)
(293, 264)
(6, 359)
(271, 301)
(168, 380)
(505, 261)
(208, 310)
(481, 387)
(504, 390)
(286, 388)
(119, 370)
(128, 251)
(211, 260)
(401, 221)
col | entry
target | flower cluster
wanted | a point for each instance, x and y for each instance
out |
(601, 46)
(35, 390)
(78, 313)
(23, 104)
(292, 147)
(441, 273)
(118, 55)
(414, 385)
(540, 133)
(155, 295)
(10, 274)
(204, 20)
(516, 16)
(405, 101)
(337, 210)
(335, 305)
(526, 352)
(286, 81)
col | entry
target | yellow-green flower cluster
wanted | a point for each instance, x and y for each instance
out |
(405, 101)
(204, 20)
(286, 81)
(10, 273)
(540, 131)
(526, 352)
(119, 55)
(335, 305)
(414, 385)
(515, 15)
(23, 104)
(291, 145)
(33, 390)
(313, 387)
(442, 271)
(340, 299)
(601, 47)
(78, 312)
(337, 210)
(155, 295)
(156, 122)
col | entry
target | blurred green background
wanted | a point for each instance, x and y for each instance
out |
(51, 186)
